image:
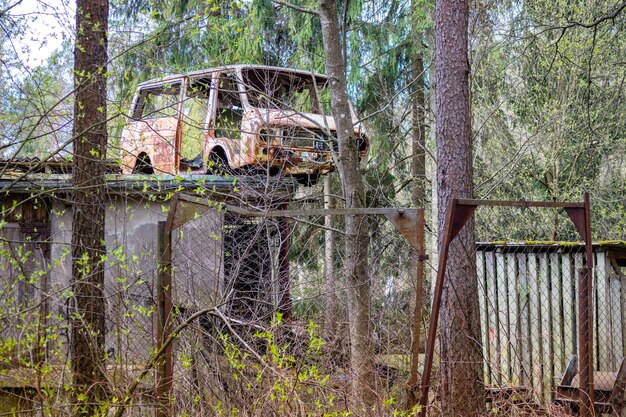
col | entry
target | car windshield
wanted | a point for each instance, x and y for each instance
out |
(273, 89)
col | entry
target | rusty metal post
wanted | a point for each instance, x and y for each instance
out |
(434, 315)
(412, 392)
(584, 347)
(284, 283)
(164, 324)
(585, 325)
(457, 215)
(581, 217)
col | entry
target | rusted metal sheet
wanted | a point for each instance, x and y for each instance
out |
(284, 278)
(407, 223)
(154, 138)
(436, 304)
(509, 203)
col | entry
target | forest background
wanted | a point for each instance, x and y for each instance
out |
(547, 94)
(546, 81)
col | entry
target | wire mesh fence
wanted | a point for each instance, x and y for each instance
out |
(270, 345)
(533, 330)
(260, 315)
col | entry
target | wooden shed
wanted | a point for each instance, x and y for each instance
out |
(529, 311)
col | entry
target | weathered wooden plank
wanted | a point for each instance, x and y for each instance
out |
(578, 264)
(602, 316)
(622, 278)
(617, 335)
(524, 320)
(503, 317)
(536, 327)
(484, 313)
(514, 320)
(558, 345)
(546, 324)
(492, 307)
(569, 311)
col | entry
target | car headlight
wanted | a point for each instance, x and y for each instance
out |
(270, 136)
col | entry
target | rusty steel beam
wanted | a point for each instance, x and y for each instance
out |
(507, 203)
(458, 213)
(164, 322)
(436, 305)
(284, 279)
(384, 211)
(457, 216)
(581, 218)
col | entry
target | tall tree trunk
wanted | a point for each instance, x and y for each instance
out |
(88, 326)
(418, 123)
(462, 391)
(356, 237)
(418, 196)
(330, 312)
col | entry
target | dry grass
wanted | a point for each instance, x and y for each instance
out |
(526, 409)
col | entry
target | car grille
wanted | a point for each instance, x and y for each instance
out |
(317, 139)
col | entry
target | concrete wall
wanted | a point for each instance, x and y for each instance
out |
(131, 271)
(198, 264)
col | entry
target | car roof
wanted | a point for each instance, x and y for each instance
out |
(229, 68)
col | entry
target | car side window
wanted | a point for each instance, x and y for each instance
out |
(229, 109)
(157, 102)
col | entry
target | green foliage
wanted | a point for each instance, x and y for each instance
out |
(548, 106)
(36, 111)
(288, 378)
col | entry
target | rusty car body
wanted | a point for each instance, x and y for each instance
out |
(241, 118)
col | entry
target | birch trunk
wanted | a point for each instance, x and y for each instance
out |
(356, 236)
(330, 313)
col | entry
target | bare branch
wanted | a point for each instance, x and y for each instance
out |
(8, 9)
(121, 407)
(296, 7)
(609, 16)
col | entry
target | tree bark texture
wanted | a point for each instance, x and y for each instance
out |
(418, 127)
(462, 391)
(88, 320)
(418, 197)
(356, 237)
(330, 312)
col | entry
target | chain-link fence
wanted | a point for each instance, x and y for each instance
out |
(536, 318)
(246, 307)
(257, 319)
(277, 340)
(36, 301)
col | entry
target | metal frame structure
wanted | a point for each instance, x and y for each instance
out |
(409, 222)
(459, 211)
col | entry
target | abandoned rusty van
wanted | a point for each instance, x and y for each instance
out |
(234, 119)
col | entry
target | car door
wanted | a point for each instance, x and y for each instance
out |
(151, 135)
(195, 124)
(226, 118)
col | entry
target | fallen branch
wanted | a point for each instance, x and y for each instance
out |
(121, 407)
